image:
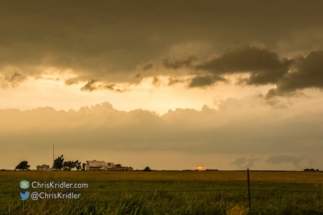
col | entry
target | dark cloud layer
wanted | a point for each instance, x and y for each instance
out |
(107, 40)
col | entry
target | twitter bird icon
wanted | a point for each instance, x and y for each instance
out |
(24, 196)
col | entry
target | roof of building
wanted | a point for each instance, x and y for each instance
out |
(96, 163)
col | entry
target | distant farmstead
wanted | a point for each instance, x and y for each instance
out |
(102, 165)
(43, 167)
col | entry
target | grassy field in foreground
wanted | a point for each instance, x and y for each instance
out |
(168, 192)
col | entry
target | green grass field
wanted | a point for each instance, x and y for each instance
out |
(168, 192)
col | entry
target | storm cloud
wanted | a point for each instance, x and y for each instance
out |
(96, 41)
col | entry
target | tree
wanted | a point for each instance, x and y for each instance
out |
(147, 169)
(23, 165)
(58, 162)
(78, 165)
(72, 164)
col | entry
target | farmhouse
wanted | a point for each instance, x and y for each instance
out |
(43, 167)
(101, 165)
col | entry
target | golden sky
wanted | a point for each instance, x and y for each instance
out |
(171, 85)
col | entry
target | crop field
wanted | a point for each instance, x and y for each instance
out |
(167, 192)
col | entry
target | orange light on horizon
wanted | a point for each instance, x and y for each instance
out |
(199, 168)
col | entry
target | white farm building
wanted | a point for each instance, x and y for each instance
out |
(102, 165)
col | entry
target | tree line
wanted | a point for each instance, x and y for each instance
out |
(58, 164)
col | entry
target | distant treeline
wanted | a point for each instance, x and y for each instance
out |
(311, 170)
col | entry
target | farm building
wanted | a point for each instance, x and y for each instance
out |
(43, 167)
(101, 165)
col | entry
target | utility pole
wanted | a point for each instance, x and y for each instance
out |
(249, 198)
(53, 154)
(53, 161)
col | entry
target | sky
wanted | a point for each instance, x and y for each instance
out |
(225, 85)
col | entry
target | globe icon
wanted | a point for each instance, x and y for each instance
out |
(24, 184)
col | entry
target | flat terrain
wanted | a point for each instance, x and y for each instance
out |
(168, 192)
